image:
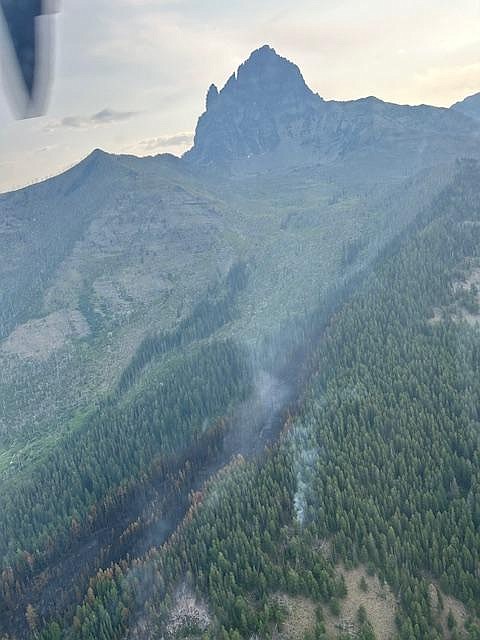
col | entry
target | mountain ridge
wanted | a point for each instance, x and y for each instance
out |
(266, 118)
(470, 106)
(328, 132)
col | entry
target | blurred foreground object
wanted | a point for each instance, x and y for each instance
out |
(27, 53)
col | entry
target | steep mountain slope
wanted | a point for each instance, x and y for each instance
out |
(125, 244)
(379, 467)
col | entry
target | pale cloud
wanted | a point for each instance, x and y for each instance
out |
(105, 116)
(165, 142)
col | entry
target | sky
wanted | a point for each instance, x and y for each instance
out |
(131, 75)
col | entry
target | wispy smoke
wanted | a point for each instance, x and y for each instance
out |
(306, 456)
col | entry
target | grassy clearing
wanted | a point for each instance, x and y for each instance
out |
(362, 590)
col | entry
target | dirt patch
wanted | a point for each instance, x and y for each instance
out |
(443, 605)
(38, 339)
(378, 600)
(362, 590)
(300, 617)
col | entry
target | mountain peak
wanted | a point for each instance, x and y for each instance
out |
(265, 56)
(246, 117)
(264, 77)
(267, 73)
(265, 51)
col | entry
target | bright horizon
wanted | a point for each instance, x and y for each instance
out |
(134, 80)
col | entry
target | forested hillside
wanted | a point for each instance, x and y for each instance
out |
(380, 459)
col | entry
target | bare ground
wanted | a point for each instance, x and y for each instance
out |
(450, 603)
(38, 339)
(379, 602)
(301, 617)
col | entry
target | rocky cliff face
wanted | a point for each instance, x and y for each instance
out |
(266, 119)
(265, 101)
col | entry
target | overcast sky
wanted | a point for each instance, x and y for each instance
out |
(131, 75)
